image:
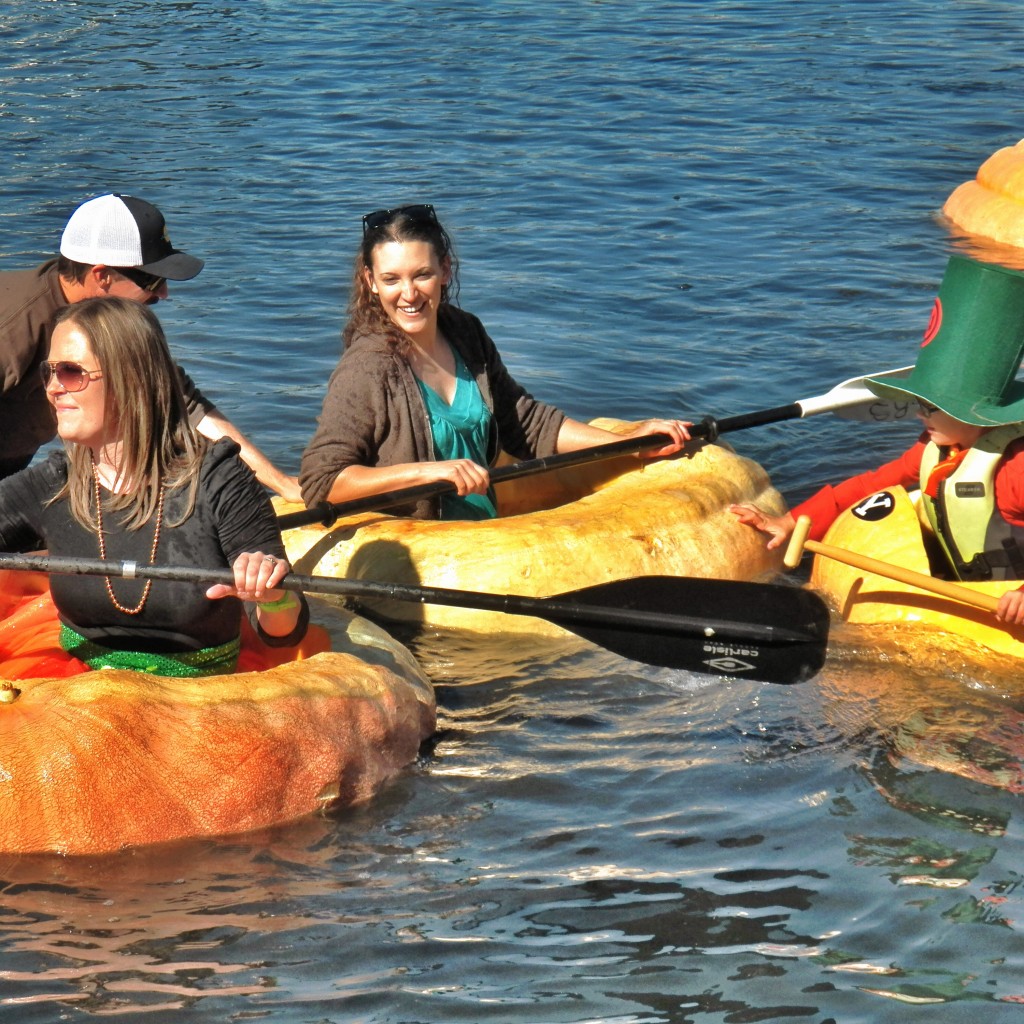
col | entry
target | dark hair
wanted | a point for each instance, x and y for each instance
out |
(71, 270)
(365, 313)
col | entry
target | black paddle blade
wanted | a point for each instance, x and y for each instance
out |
(766, 631)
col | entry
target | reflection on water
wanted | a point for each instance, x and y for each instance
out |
(909, 717)
(988, 251)
(153, 929)
(926, 705)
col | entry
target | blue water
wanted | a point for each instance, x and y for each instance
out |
(668, 207)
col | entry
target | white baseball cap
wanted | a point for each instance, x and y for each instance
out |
(122, 231)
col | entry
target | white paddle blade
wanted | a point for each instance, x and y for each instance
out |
(851, 400)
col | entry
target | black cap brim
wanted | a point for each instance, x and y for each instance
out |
(179, 266)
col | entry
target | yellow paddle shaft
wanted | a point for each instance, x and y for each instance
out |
(799, 541)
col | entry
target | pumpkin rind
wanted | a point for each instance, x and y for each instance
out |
(104, 760)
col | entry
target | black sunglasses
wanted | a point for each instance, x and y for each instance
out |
(418, 211)
(147, 282)
(926, 409)
(70, 376)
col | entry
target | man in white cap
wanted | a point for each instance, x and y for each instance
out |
(112, 245)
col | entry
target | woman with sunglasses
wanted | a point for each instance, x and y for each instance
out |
(421, 394)
(136, 482)
(969, 461)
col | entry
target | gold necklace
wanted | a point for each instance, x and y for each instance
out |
(103, 546)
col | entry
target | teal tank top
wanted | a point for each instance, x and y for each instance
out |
(460, 431)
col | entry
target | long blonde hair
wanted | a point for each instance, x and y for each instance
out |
(144, 398)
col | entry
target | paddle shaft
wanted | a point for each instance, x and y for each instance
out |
(558, 610)
(328, 513)
(848, 395)
(799, 541)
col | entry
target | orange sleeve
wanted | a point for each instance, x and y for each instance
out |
(1009, 484)
(825, 506)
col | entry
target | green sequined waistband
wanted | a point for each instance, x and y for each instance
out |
(210, 661)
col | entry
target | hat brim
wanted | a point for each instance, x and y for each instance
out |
(978, 413)
(179, 266)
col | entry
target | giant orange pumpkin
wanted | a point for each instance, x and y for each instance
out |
(103, 760)
(990, 208)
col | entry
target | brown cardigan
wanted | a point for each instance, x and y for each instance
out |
(373, 414)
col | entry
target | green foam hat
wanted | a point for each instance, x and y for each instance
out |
(972, 349)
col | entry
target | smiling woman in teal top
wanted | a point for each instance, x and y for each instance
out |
(421, 394)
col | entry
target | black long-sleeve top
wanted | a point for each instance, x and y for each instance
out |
(233, 514)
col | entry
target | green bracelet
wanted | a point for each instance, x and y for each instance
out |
(281, 604)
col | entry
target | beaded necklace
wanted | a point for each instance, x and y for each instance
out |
(103, 546)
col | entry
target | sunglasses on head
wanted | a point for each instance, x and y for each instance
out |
(147, 282)
(70, 376)
(418, 211)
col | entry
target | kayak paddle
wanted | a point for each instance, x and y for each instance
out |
(770, 632)
(799, 541)
(849, 400)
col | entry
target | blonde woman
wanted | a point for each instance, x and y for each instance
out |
(136, 482)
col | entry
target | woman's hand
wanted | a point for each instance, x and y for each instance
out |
(678, 430)
(778, 528)
(1011, 607)
(355, 482)
(256, 578)
(469, 477)
(574, 435)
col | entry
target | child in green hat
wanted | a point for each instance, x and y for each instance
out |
(969, 461)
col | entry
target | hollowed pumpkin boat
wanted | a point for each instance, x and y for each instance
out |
(91, 762)
(560, 531)
(891, 531)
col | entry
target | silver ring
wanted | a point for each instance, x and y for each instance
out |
(271, 559)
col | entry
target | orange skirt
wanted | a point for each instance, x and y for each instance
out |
(30, 630)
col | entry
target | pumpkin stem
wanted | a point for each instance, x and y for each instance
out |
(8, 692)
